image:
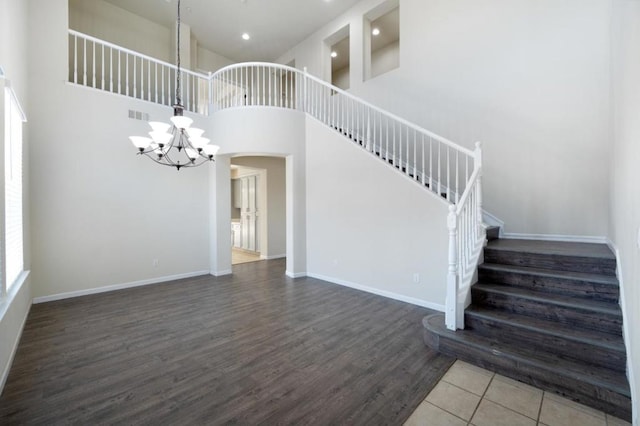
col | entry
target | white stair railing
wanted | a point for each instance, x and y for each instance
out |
(466, 240)
(448, 171)
(105, 66)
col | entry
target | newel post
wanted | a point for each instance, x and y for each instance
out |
(452, 275)
(478, 164)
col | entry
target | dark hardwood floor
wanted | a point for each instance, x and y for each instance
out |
(251, 348)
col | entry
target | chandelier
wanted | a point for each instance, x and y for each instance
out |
(176, 144)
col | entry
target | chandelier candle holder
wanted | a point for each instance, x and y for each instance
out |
(176, 144)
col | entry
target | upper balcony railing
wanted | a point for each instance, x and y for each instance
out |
(448, 171)
(105, 66)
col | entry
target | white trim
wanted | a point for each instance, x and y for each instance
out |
(275, 256)
(15, 288)
(383, 293)
(221, 273)
(492, 220)
(5, 306)
(295, 274)
(556, 237)
(113, 287)
(626, 333)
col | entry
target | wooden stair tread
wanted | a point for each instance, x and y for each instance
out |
(554, 328)
(551, 273)
(551, 298)
(560, 248)
(542, 361)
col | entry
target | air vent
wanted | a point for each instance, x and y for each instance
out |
(138, 115)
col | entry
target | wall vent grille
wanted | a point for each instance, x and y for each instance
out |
(138, 115)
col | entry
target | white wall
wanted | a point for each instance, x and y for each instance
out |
(100, 213)
(116, 25)
(341, 78)
(369, 226)
(276, 215)
(385, 59)
(529, 78)
(209, 61)
(625, 173)
(111, 23)
(13, 59)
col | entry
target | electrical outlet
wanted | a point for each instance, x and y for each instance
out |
(155, 262)
(416, 278)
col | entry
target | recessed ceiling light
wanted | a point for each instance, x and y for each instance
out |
(375, 31)
(334, 54)
(246, 36)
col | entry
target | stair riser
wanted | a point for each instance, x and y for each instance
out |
(557, 262)
(567, 349)
(576, 288)
(602, 399)
(566, 315)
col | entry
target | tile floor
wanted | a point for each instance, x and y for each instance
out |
(241, 256)
(469, 395)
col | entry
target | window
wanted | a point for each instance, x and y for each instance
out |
(13, 120)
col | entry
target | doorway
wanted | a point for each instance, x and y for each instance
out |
(258, 208)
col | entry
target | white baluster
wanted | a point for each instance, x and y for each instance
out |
(75, 59)
(102, 51)
(84, 68)
(93, 62)
(111, 69)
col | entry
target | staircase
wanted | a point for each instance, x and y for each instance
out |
(545, 313)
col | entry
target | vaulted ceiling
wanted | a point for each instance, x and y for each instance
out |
(275, 26)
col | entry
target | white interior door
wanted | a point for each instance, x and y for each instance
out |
(249, 212)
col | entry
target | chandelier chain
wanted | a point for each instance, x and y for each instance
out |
(178, 97)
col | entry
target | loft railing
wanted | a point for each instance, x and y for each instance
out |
(446, 170)
(105, 66)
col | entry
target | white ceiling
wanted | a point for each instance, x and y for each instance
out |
(275, 26)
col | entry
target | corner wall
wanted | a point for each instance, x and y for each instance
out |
(625, 177)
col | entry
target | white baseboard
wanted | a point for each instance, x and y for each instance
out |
(556, 237)
(384, 293)
(113, 287)
(492, 220)
(221, 273)
(296, 274)
(626, 333)
(275, 256)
